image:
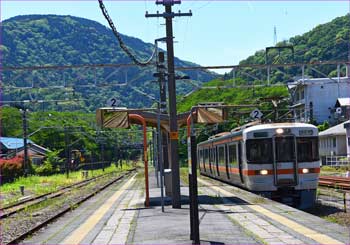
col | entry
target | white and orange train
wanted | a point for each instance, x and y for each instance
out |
(277, 160)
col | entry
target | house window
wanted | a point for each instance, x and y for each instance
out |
(334, 142)
(302, 96)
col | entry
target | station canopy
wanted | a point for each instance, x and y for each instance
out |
(113, 117)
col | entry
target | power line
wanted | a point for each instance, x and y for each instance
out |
(180, 68)
(121, 43)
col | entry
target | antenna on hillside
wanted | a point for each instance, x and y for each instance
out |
(274, 35)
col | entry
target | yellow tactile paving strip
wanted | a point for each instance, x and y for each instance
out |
(314, 235)
(78, 235)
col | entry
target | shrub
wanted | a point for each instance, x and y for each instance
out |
(11, 168)
(45, 169)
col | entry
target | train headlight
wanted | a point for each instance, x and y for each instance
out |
(263, 172)
(305, 170)
(279, 131)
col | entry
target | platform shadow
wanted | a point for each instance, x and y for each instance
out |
(202, 200)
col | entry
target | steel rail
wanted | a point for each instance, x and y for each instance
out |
(334, 182)
(19, 206)
(59, 214)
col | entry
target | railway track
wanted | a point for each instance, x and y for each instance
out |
(16, 207)
(335, 182)
(13, 237)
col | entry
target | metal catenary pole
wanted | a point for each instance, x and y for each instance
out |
(175, 168)
(192, 177)
(163, 104)
(160, 158)
(25, 142)
(66, 150)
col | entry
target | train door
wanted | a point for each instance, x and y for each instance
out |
(240, 162)
(204, 161)
(211, 160)
(285, 160)
(217, 161)
(227, 164)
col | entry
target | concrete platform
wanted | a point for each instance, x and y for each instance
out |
(228, 215)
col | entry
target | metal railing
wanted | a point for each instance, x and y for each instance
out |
(335, 161)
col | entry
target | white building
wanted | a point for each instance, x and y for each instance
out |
(347, 128)
(333, 141)
(314, 99)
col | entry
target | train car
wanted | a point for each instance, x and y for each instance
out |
(276, 160)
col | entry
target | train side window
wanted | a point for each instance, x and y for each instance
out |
(221, 157)
(232, 156)
(206, 158)
(199, 158)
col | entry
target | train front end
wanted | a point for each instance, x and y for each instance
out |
(283, 162)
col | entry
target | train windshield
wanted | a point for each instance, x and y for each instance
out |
(285, 149)
(259, 150)
(308, 149)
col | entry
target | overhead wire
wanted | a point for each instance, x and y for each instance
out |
(120, 40)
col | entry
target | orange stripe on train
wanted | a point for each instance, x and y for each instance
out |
(250, 172)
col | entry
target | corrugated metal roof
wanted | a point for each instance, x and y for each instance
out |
(336, 130)
(13, 143)
(344, 101)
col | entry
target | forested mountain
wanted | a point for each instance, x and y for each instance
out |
(34, 40)
(65, 40)
(325, 42)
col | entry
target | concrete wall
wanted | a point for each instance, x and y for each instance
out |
(323, 93)
(348, 141)
(324, 96)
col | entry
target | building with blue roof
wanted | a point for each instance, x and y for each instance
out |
(11, 147)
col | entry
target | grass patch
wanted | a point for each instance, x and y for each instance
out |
(37, 185)
(328, 170)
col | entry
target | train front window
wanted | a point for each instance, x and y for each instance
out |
(285, 149)
(259, 150)
(308, 149)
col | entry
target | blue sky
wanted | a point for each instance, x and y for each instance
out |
(218, 33)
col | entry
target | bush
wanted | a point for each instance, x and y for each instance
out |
(11, 168)
(45, 169)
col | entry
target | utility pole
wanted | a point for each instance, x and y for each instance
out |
(66, 150)
(174, 135)
(163, 105)
(25, 143)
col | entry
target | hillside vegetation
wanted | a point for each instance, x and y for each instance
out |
(325, 42)
(233, 96)
(34, 40)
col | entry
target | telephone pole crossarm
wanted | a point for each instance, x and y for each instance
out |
(167, 15)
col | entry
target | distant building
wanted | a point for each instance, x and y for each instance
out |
(342, 109)
(316, 99)
(333, 141)
(11, 147)
(347, 128)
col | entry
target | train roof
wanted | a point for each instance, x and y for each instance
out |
(278, 125)
(244, 129)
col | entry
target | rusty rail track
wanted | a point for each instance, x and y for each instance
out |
(335, 182)
(62, 212)
(14, 208)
